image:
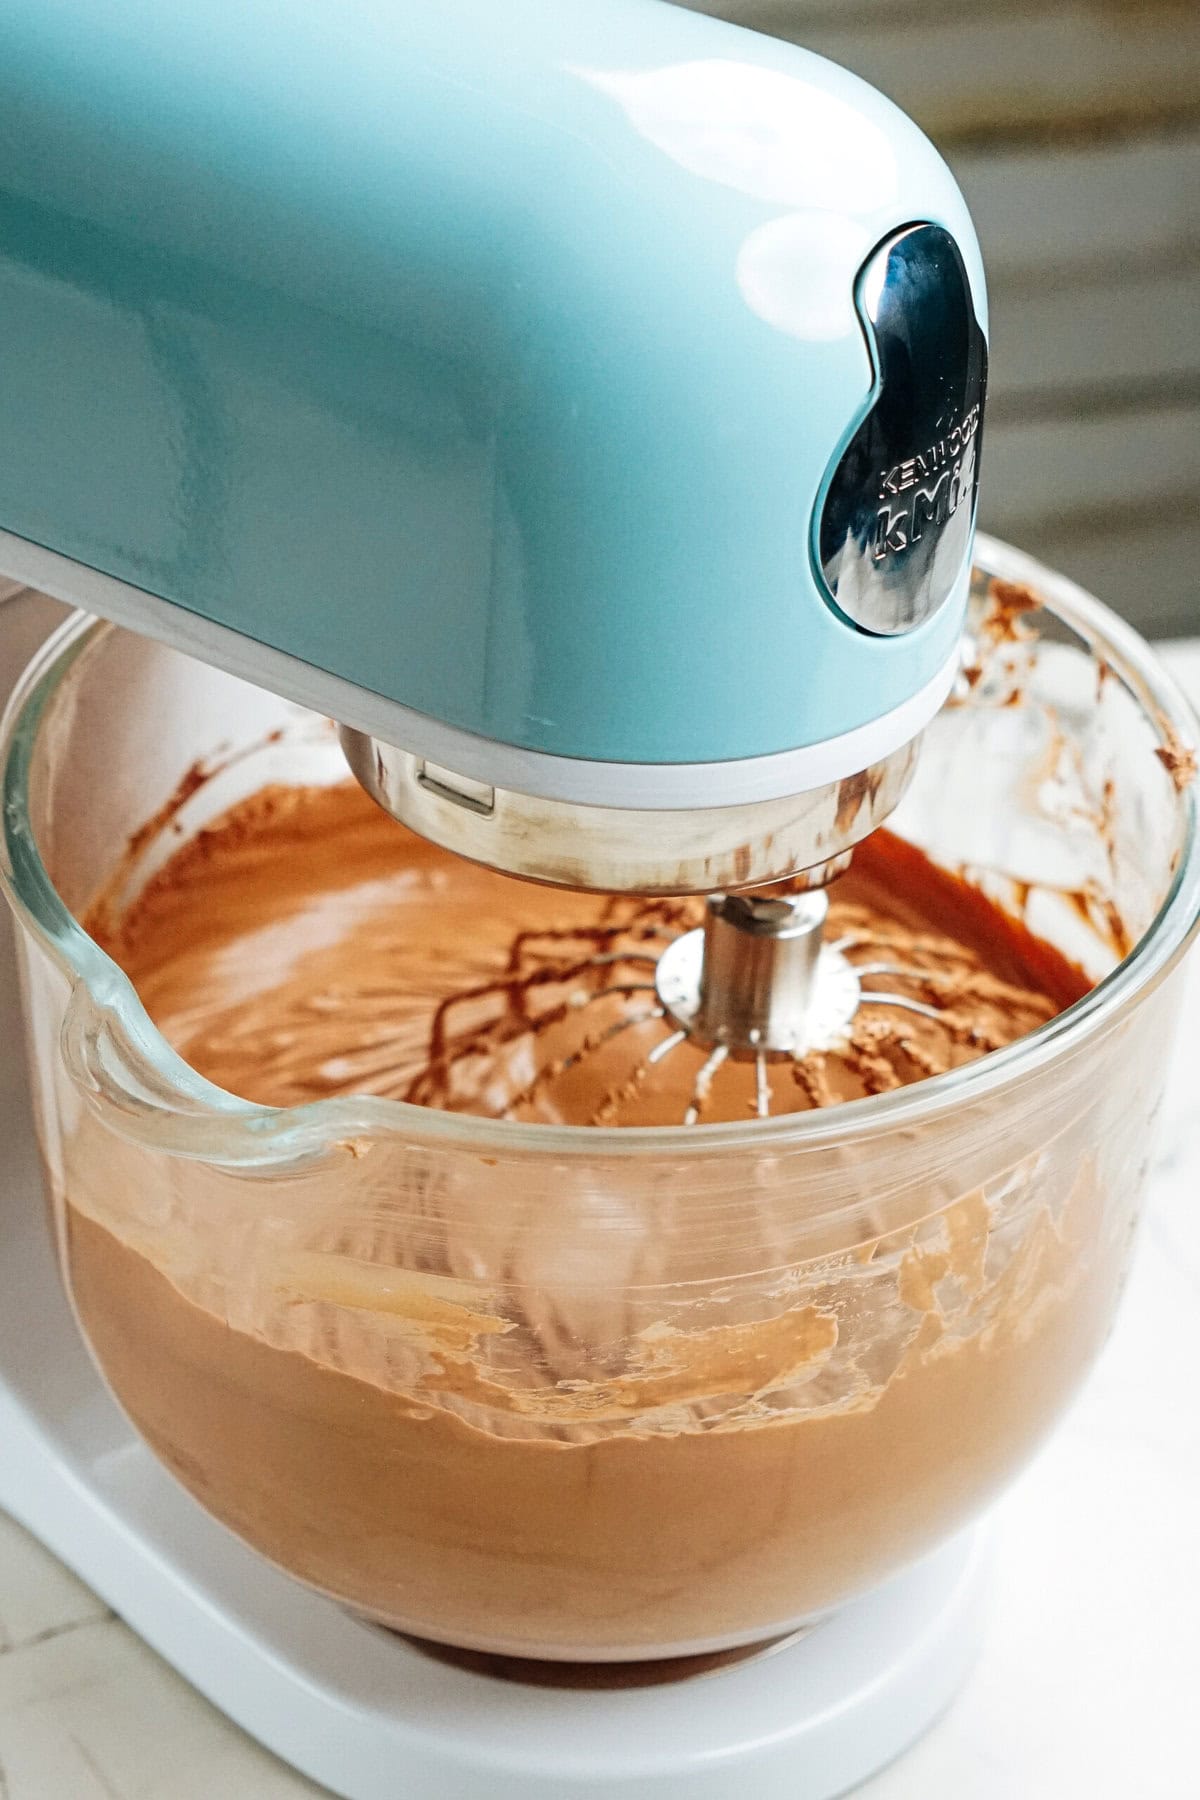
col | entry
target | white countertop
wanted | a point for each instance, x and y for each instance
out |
(1087, 1688)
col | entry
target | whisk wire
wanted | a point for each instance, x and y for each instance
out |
(702, 1086)
(871, 997)
(762, 1087)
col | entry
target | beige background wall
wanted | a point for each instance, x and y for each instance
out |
(1074, 128)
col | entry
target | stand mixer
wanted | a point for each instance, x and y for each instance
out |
(633, 365)
(580, 404)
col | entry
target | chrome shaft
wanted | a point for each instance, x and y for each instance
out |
(757, 979)
(759, 968)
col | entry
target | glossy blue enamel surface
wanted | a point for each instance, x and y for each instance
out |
(488, 355)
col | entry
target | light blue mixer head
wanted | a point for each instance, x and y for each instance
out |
(578, 401)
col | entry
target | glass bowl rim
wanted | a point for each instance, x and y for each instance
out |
(176, 1110)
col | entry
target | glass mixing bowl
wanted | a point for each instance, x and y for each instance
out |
(596, 1394)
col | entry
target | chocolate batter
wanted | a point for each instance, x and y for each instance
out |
(595, 1408)
(309, 946)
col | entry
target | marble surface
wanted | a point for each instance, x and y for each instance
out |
(1087, 1687)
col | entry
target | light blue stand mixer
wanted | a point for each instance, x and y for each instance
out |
(580, 401)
